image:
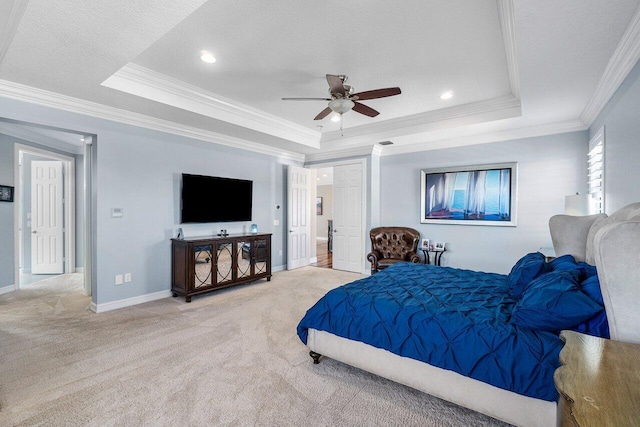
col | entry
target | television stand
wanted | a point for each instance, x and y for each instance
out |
(205, 264)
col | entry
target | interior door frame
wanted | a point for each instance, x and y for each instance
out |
(70, 207)
(365, 186)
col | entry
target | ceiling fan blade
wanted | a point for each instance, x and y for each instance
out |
(306, 99)
(363, 109)
(377, 93)
(324, 113)
(336, 85)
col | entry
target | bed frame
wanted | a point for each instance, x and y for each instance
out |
(615, 243)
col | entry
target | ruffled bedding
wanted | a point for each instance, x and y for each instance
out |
(470, 322)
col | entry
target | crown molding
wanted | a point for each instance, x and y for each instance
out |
(50, 99)
(460, 115)
(507, 23)
(621, 63)
(11, 26)
(149, 84)
(497, 136)
(341, 154)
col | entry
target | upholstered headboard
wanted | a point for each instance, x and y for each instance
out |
(613, 245)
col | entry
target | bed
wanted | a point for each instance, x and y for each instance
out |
(487, 341)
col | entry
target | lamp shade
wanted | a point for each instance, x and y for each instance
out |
(578, 204)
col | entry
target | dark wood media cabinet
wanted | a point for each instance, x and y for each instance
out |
(205, 264)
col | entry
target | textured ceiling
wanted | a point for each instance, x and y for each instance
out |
(511, 65)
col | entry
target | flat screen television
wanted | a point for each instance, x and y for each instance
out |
(215, 199)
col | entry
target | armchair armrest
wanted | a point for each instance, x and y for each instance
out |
(373, 258)
(413, 257)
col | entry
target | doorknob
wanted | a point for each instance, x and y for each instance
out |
(34, 232)
(290, 231)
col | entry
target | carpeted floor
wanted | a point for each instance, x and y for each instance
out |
(228, 358)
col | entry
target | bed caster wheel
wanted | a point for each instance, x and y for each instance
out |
(315, 356)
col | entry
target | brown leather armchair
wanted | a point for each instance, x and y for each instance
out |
(392, 244)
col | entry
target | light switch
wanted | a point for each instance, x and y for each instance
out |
(119, 279)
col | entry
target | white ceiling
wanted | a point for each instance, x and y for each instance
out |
(516, 68)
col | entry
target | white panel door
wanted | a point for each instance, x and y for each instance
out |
(46, 217)
(347, 217)
(298, 216)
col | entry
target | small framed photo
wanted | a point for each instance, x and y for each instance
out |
(6, 193)
(425, 244)
(438, 246)
(318, 206)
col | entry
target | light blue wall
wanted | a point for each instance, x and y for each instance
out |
(549, 168)
(621, 120)
(139, 170)
(6, 215)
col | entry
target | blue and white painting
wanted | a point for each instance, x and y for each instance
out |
(475, 195)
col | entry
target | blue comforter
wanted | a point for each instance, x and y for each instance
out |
(450, 318)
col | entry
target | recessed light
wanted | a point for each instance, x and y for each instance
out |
(447, 95)
(207, 57)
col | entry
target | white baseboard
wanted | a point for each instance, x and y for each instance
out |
(322, 238)
(79, 269)
(313, 260)
(128, 302)
(278, 268)
(7, 289)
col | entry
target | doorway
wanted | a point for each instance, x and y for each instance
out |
(324, 218)
(46, 215)
(341, 198)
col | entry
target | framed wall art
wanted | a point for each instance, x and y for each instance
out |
(470, 195)
(6, 193)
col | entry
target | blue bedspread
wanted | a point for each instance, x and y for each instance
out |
(450, 318)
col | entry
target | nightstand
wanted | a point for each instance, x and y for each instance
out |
(437, 256)
(598, 382)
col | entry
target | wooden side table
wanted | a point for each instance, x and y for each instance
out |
(437, 256)
(598, 382)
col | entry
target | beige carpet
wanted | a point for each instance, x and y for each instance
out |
(228, 358)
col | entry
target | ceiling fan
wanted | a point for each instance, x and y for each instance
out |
(343, 98)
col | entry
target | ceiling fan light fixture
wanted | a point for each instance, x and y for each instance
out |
(341, 105)
(335, 117)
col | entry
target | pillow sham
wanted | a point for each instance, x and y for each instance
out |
(524, 271)
(553, 302)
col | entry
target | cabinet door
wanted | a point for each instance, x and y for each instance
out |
(203, 276)
(224, 264)
(244, 255)
(260, 254)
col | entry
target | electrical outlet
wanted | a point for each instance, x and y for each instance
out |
(127, 277)
(119, 279)
(280, 252)
(276, 222)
